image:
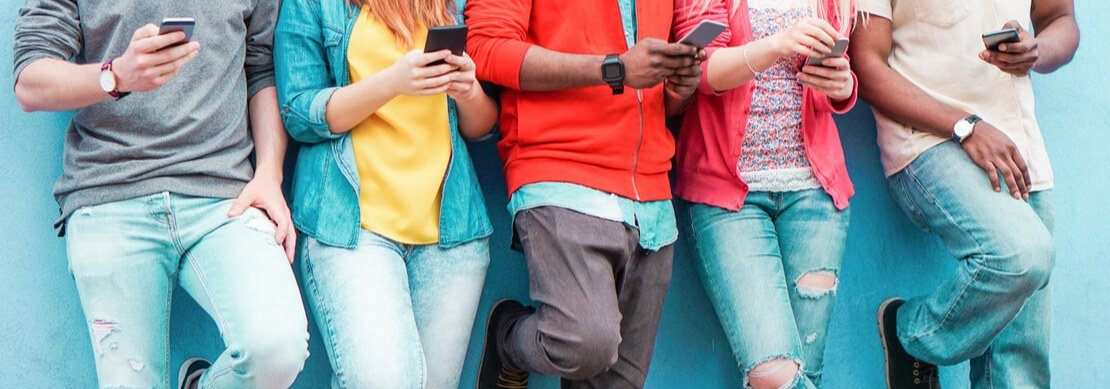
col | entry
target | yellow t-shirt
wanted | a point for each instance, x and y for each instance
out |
(402, 150)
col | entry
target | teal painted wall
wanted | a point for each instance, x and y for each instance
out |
(45, 345)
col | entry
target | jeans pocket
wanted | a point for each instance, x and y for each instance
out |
(904, 196)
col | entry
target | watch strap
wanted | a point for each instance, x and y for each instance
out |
(617, 85)
(115, 93)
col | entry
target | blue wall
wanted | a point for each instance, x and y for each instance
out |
(45, 343)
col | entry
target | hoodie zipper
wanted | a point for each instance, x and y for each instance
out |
(639, 143)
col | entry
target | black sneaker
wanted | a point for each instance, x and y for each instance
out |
(495, 372)
(189, 375)
(903, 371)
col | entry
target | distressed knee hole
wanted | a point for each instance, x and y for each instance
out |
(101, 329)
(774, 374)
(817, 283)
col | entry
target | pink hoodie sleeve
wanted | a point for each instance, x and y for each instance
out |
(687, 15)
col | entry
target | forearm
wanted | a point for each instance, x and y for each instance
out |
(675, 104)
(477, 114)
(1056, 43)
(270, 140)
(729, 69)
(898, 98)
(546, 71)
(55, 85)
(352, 104)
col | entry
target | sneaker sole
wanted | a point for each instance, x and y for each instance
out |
(185, 369)
(489, 318)
(882, 338)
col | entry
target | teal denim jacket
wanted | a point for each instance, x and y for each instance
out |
(310, 59)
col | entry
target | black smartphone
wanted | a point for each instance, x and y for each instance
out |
(838, 50)
(446, 38)
(704, 34)
(185, 25)
(993, 39)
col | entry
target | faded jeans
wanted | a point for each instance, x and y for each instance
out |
(995, 309)
(127, 257)
(751, 262)
(394, 315)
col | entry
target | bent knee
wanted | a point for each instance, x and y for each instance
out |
(588, 351)
(774, 374)
(1036, 256)
(275, 360)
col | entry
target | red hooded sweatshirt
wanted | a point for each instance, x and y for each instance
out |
(588, 136)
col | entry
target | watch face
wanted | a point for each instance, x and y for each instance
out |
(612, 71)
(107, 81)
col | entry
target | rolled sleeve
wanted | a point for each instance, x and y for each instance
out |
(259, 64)
(687, 15)
(880, 8)
(304, 84)
(496, 41)
(46, 29)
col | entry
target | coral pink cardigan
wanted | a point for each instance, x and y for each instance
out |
(712, 131)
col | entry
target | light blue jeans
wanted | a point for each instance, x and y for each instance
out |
(127, 257)
(995, 310)
(751, 262)
(392, 315)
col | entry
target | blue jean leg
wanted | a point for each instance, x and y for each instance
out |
(122, 259)
(1006, 253)
(1018, 356)
(127, 258)
(812, 237)
(750, 262)
(394, 315)
(240, 276)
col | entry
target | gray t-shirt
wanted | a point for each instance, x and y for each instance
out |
(190, 136)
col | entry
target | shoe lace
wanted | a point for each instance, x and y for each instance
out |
(925, 373)
(512, 378)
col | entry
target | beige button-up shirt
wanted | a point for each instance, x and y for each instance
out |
(935, 46)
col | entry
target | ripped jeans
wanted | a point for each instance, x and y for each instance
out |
(770, 270)
(128, 256)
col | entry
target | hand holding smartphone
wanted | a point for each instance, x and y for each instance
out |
(838, 50)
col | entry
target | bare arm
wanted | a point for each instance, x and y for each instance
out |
(51, 84)
(544, 70)
(270, 139)
(1057, 33)
(55, 85)
(898, 98)
(888, 91)
(411, 75)
(264, 190)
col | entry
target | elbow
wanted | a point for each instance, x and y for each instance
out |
(27, 99)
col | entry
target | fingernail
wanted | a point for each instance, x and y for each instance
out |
(1002, 47)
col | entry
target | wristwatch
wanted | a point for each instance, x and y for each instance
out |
(964, 127)
(612, 71)
(108, 81)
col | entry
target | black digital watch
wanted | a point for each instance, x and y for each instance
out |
(612, 71)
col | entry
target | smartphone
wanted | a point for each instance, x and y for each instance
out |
(446, 38)
(838, 50)
(993, 39)
(704, 34)
(170, 25)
